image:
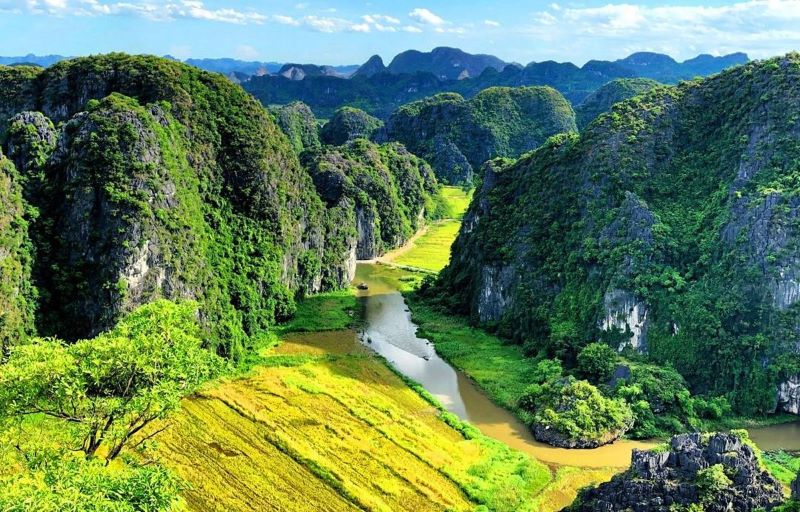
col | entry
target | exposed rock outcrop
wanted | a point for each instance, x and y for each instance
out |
(719, 472)
(788, 395)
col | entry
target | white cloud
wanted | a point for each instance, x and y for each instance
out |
(190, 9)
(425, 16)
(285, 20)
(760, 27)
(411, 29)
(491, 23)
(247, 52)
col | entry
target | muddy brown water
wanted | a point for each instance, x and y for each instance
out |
(777, 437)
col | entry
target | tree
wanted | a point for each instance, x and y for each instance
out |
(111, 387)
(596, 362)
(54, 481)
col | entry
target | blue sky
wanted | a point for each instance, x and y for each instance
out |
(349, 31)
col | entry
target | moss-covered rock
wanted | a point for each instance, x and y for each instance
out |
(17, 294)
(714, 473)
(668, 227)
(166, 181)
(348, 124)
(382, 194)
(458, 135)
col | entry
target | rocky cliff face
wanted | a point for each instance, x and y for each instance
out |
(667, 227)
(719, 473)
(788, 395)
(457, 136)
(164, 181)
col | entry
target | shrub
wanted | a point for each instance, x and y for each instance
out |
(596, 362)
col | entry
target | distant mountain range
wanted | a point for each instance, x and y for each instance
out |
(237, 70)
(411, 75)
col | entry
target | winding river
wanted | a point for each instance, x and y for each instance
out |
(388, 330)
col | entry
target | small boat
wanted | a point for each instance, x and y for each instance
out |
(362, 286)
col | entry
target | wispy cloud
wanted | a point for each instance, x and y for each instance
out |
(763, 27)
(162, 11)
(491, 23)
(425, 16)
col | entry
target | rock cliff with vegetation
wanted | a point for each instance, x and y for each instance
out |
(456, 135)
(299, 124)
(348, 124)
(668, 229)
(601, 100)
(378, 196)
(713, 473)
(17, 299)
(146, 178)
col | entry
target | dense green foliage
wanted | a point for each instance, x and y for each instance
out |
(677, 200)
(601, 100)
(596, 362)
(175, 183)
(57, 482)
(783, 466)
(574, 409)
(349, 124)
(457, 135)
(67, 411)
(299, 124)
(17, 296)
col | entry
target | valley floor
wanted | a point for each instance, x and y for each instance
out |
(429, 250)
(324, 424)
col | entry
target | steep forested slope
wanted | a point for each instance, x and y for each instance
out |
(299, 124)
(601, 101)
(161, 180)
(16, 292)
(348, 124)
(457, 135)
(668, 228)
